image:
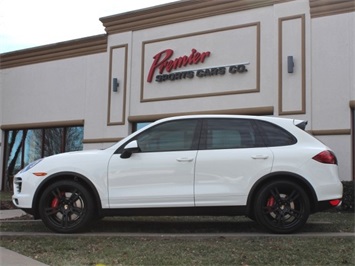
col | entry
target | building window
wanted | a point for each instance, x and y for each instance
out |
(140, 125)
(27, 145)
(353, 140)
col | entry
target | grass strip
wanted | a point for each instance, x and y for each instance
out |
(167, 251)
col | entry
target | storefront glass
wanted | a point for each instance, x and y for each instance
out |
(27, 145)
(53, 139)
(140, 125)
(74, 139)
(33, 146)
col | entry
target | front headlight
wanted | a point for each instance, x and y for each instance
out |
(30, 165)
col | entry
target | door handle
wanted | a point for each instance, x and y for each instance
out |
(260, 156)
(184, 159)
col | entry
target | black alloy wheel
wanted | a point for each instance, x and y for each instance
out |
(282, 207)
(66, 207)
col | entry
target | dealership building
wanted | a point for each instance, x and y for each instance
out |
(286, 58)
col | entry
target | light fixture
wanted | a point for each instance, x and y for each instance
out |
(290, 64)
(115, 85)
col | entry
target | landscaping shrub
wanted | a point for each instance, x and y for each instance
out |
(348, 196)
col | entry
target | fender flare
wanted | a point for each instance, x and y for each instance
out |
(304, 183)
(67, 175)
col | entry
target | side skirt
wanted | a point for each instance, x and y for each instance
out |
(183, 211)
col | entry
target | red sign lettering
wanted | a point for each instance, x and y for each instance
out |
(163, 63)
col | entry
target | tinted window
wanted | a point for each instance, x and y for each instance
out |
(229, 133)
(170, 136)
(274, 135)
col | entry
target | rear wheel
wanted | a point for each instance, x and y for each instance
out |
(66, 207)
(282, 207)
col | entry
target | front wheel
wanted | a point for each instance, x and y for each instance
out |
(282, 207)
(66, 207)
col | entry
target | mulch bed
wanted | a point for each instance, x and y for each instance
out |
(7, 205)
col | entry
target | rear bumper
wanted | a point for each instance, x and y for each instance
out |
(326, 205)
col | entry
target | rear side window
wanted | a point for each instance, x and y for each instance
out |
(274, 135)
(229, 134)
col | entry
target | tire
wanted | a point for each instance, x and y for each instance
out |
(282, 207)
(66, 207)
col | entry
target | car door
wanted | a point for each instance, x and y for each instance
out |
(231, 158)
(161, 174)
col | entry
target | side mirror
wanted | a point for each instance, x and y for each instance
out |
(131, 147)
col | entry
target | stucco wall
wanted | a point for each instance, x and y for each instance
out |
(79, 88)
(333, 86)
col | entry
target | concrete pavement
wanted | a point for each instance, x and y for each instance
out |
(8, 214)
(9, 257)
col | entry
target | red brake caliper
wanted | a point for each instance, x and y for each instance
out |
(55, 201)
(270, 202)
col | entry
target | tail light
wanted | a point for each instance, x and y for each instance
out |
(327, 157)
(335, 202)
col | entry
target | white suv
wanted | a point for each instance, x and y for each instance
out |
(267, 168)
